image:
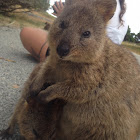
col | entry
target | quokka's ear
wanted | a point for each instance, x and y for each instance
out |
(106, 8)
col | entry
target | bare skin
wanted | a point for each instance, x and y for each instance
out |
(59, 8)
(35, 41)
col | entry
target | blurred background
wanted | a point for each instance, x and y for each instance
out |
(38, 13)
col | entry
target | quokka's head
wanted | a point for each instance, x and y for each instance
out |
(78, 34)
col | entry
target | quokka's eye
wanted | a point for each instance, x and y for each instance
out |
(86, 34)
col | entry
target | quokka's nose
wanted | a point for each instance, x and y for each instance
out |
(63, 49)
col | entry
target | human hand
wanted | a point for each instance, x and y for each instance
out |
(58, 8)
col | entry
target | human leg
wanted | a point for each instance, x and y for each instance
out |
(34, 40)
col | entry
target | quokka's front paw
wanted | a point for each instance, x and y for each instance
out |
(34, 91)
(47, 95)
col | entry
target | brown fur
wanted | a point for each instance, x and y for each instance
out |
(36, 121)
(99, 80)
(39, 122)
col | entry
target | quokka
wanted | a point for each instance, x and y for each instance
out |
(98, 80)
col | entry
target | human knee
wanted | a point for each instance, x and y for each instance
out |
(24, 32)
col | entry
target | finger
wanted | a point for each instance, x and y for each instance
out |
(61, 4)
(56, 9)
(58, 5)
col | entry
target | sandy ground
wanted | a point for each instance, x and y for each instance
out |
(15, 66)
